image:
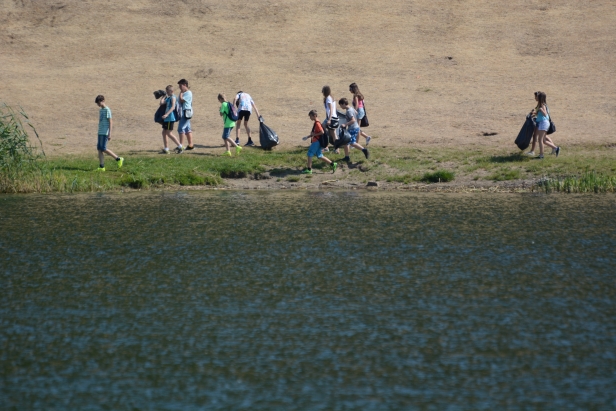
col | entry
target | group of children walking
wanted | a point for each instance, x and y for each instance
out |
(179, 110)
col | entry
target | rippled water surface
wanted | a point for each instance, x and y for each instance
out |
(307, 301)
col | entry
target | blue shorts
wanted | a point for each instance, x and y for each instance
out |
(184, 126)
(543, 125)
(102, 143)
(226, 132)
(354, 132)
(315, 150)
(361, 113)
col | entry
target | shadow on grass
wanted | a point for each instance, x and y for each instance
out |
(511, 158)
(284, 172)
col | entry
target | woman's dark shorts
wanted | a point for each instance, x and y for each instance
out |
(243, 114)
(168, 125)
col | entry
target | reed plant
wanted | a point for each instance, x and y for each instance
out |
(588, 182)
(15, 148)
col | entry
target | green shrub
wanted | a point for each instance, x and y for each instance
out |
(439, 176)
(504, 175)
(15, 147)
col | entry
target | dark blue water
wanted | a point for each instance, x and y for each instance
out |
(307, 301)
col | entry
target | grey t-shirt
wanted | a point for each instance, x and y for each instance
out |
(350, 115)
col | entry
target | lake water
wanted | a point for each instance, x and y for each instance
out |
(337, 300)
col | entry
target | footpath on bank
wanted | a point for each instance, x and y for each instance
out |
(578, 169)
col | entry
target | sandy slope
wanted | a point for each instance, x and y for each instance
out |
(433, 71)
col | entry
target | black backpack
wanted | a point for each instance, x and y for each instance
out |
(323, 138)
(233, 116)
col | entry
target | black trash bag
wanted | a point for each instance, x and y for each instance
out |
(267, 137)
(344, 138)
(158, 116)
(526, 133)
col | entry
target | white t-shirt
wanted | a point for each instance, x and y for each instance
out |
(328, 101)
(245, 102)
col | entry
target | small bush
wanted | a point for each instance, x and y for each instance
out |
(190, 179)
(15, 148)
(439, 176)
(589, 182)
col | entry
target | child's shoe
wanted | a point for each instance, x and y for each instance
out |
(346, 159)
(307, 171)
(368, 140)
(100, 169)
(237, 141)
(179, 150)
(120, 161)
(190, 147)
(557, 151)
(227, 153)
(530, 153)
(366, 153)
(334, 167)
(238, 149)
(165, 151)
(325, 150)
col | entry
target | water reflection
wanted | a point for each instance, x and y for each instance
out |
(312, 300)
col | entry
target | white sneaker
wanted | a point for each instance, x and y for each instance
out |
(530, 153)
(325, 150)
(368, 140)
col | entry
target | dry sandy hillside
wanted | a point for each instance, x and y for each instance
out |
(432, 71)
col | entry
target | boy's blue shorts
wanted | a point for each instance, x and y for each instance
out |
(102, 143)
(184, 126)
(354, 132)
(226, 132)
(315, 150)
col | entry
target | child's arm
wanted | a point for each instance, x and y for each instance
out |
(171, 108)
(543, 110)
(182, 97)
(256, 109)
(110, 128)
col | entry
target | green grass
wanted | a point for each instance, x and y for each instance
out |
(400, 165)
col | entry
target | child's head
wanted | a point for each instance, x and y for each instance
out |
(313, 115)
(354, 88)
(183, 84)
(169, 90)
(326, 90)
(221, 97)
(541, 98)
(343, 102)
(100, 100)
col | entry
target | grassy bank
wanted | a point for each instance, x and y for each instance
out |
(578, 169)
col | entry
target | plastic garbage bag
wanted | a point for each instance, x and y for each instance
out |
(526, 133)
(158, 116)
(344, 138)
(267, 137)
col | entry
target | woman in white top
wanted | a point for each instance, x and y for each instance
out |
(331, 115)
(244, 104)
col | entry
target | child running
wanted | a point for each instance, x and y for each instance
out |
(228, 124)
(105, 126)
(352, 125)
(315, 145)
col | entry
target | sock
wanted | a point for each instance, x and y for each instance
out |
(180, 146)
(118, 159)
(166, 148)
(102, 166)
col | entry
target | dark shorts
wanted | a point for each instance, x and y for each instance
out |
(333, 124)
(226, 132)
(243, 114)
(101, 145)
(168, 125)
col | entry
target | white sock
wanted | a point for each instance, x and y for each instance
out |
(166, 148)
(180, 146)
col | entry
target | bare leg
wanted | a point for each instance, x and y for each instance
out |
(101, 158)
(356, 145)
(247, 129)
(327, 160)
(172, 137)
(165, 145)
(346, 150)
(532, 147)
(309, 162)
(188, 138)
(540, 137)
(111, 153)
(549, 144)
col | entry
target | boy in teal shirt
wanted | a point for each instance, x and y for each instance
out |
(105, 126)
(228, 126)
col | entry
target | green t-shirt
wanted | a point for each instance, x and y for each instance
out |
(224, 109)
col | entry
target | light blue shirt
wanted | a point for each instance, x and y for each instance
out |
(103, 121)
(187, 100)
